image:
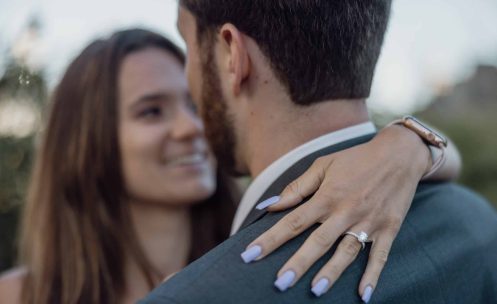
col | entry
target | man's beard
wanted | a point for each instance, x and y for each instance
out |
(219, 127)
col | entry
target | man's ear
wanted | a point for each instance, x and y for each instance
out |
(238, 59)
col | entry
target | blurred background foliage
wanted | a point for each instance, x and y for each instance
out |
(465, 112)
(23, 95)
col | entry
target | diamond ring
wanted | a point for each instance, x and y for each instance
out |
(362, 237)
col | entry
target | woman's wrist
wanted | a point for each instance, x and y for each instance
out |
(408, 142)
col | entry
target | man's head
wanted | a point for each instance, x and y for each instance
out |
(315, 51)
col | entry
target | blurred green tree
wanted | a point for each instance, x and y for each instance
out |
(22, 92)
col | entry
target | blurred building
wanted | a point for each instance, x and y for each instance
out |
(477, 93)
(467, 113)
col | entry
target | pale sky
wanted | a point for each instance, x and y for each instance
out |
(429, 42)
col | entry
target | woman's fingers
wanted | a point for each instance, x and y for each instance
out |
(317, 244)
(284, 230)
(345, 254)
(377, 258)
(302, 187)
(367, 186)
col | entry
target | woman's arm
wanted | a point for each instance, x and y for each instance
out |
(368, 188)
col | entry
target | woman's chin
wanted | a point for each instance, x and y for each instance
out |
(202, 191)
(192, 193)
(179, 192)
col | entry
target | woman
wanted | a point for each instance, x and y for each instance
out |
(124, 191)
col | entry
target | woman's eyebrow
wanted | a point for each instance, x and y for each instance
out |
(164, 96)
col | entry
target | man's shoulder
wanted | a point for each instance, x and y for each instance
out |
(440, 215)
(448, 215)
(221, 276)
(429, 190)
(451, 205)
(450, 235)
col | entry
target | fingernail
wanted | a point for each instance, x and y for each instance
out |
(285, 280)
(368, 292)
(270, 201)
(251, 253)
(320, 287)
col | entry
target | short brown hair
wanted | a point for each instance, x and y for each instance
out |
(319, 49)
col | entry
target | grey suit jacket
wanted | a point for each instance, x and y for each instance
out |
(445, 252)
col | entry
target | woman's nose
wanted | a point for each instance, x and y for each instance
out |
(187, 124)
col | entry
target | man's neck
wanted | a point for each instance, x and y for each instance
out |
(296, 126)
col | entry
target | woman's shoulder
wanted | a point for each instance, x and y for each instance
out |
(11, 285)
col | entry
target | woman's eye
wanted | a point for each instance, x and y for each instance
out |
(151, 112)
(191, 105)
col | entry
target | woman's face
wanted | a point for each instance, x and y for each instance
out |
(165, 157)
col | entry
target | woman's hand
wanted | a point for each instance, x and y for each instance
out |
(367, 188)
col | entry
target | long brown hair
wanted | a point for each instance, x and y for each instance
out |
(76, 226)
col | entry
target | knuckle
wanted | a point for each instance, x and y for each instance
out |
(362, 199)
(381, 256)
(321, 238)
(326, 208)
(338, 193)
(332, 271)
(299, 262)
(350, 246)
(393, 223)
(294, 222)
(269, 240)
(294, 188)
(319, 161)
(320, 165)
(329, 198)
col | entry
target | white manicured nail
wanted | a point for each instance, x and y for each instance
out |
(251, 253)
(320, 287)
(270, 201)
(285, 280)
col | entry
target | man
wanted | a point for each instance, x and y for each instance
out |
(283, 82)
